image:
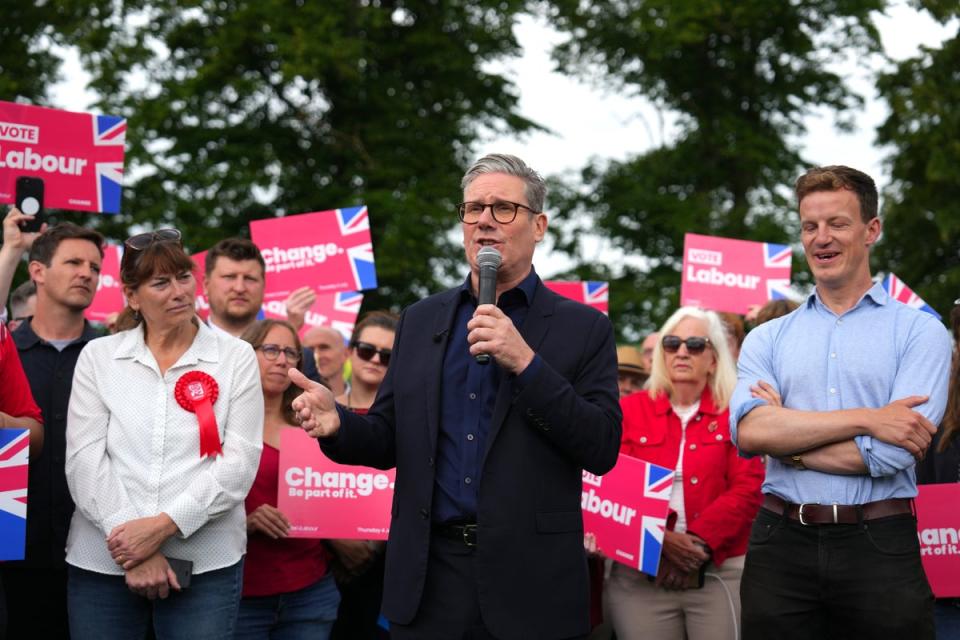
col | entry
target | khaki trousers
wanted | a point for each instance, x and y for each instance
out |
(639, 609)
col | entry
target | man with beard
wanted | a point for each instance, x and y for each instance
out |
(64, 263)
(234, 279)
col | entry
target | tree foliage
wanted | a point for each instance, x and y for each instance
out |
(239, 110)
(921, 214)
(740, 77)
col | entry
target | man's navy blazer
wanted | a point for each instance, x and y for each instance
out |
(530, 564)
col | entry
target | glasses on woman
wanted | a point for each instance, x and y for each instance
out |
(273, 351)
(366, 351)
(503, 211)
(141, 241)
(695, 344)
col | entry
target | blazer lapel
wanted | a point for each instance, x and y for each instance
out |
(443, 325)
(533, 331)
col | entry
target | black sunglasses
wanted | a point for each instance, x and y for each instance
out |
(141, 241)
(695, 344)
(366, 351)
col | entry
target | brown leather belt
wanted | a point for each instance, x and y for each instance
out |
(812, 513)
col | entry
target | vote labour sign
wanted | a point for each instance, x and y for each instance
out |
(79, 156)
(109, 296)
(938, 527)
(731, 275)
(327, 250)
(592, 293)
(323, 499)
(626, 510)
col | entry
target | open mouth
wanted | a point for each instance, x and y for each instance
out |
(825, 256)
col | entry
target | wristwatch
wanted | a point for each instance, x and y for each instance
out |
(797, 461)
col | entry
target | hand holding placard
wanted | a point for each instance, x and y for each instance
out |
(316, 409)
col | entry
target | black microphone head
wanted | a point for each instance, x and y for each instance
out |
(489, 257)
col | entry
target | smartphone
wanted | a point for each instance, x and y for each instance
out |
(30, 201)
(183, 569)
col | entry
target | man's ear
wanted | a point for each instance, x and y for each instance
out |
(874, 228)
(37, 271)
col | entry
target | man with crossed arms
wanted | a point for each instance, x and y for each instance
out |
(863, 381)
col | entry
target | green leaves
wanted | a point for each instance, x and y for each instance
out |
(741, 76)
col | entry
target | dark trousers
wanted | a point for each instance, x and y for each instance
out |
(450, 606)
(358, 615)
(835, 582)
(36, 602)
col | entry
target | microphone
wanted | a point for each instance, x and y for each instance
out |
(489, 261)
(440, 335)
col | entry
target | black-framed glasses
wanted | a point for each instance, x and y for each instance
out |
(141, 241)
(503, 211)
(695, 344)
(273, 351)
(366, 351)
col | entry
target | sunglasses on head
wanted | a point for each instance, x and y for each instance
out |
(141, 241)
(366, 351)
(695, 344)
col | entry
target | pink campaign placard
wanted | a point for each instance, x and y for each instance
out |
(592, 293)
(626, 509)
(724, 274)
(109, 296)
(330, 251)
(202, 304)
(338, 310)
(938, 526)
(79, 156)
(323, 499)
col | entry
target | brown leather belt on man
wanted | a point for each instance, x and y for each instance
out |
(815, 513)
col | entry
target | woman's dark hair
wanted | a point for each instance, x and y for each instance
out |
(383, 319)
(951, 418)
(139, 265)
(255, 335)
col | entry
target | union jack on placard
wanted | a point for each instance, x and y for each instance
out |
(777, 256)
(346, 307)
(779, 289)
(657, 485)
(596, 294)
(353, 220)
(109, 131)
(898, 290)
(362, 265)
(14, 456)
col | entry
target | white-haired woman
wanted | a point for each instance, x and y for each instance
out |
(681, 421)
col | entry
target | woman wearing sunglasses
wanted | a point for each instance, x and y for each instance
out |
(287, 589)
(359, 564)
(164, 433)
(681, 421)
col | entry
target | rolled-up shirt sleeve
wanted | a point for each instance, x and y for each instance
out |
(924, 371)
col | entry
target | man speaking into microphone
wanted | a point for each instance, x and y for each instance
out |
(486, 539)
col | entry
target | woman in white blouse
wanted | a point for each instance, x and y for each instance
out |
(164, 435)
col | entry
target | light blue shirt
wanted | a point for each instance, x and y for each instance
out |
(879, 351)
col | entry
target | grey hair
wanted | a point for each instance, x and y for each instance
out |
(534, 186)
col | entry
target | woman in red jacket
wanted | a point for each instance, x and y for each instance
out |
(681, 421)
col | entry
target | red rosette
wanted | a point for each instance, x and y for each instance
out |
(196, 392)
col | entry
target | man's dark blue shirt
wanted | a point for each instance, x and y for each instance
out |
(467, 400)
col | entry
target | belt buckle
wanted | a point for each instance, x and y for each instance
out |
(800, 512)
(470, 535)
